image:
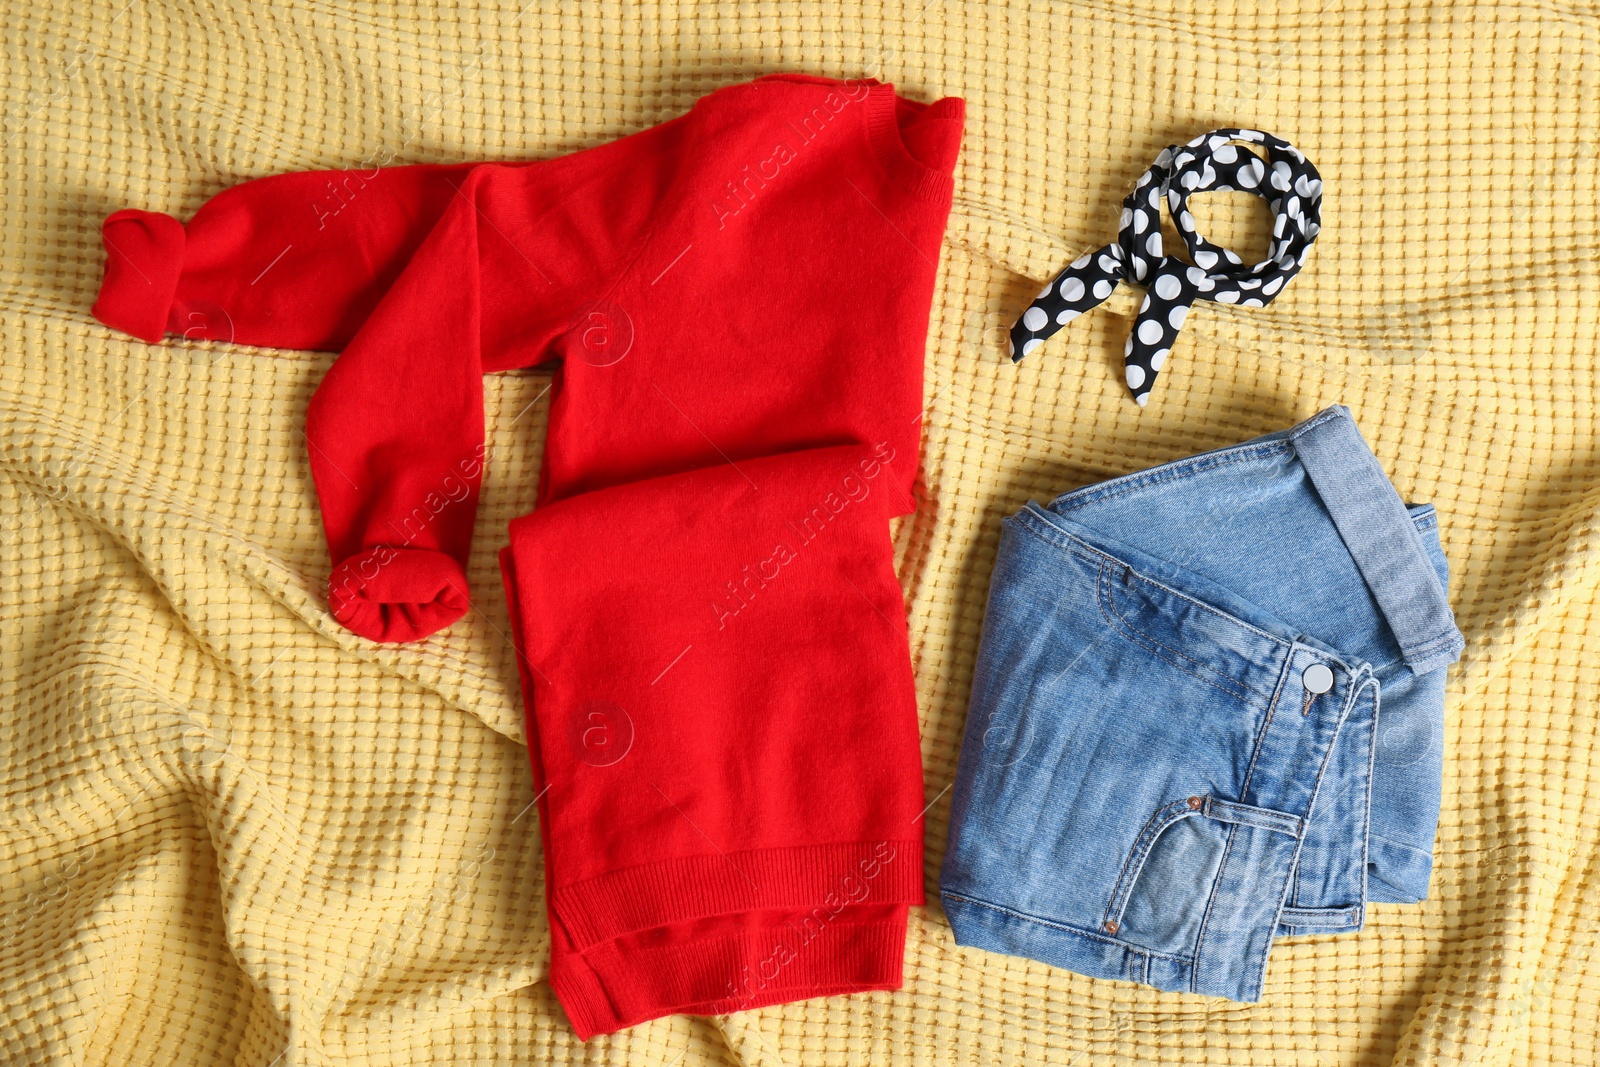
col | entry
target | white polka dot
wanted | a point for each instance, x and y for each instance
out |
(1186, 220)
(1109, 264)
(1177, 315)
(1167, 287)
(1302, 186)
(1116, 252)
(1030, 344)
(1208, 177)
(1272, 287)
(1072, 290)
(1226, 154)
(1292, 207)
(1248, 177)
(1035, 319)
(1190, 179)
(1277, 227)
(1158, 358)
(1196, 275)
(1205, 284)
(1082, 261)
(1153, 243)
(1065, 315)
(1312, 229)
(1205, 260)
(1127, 217)
(1046, 290)
(1253, 302)
(1142, 399)
(1226, 296)
(1249, 283)
(1140, 269)
(1155, 199)
(1141, 222)
(1150, 332)
(1280, 175)
(1102, 289)
(1135, 375)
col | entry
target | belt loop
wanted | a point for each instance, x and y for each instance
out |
(1380, 536)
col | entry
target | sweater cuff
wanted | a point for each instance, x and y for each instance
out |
(398, 594)
(144, 258)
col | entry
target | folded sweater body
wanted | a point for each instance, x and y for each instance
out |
(711, 636)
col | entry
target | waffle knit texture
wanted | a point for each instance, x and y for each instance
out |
(231, 830)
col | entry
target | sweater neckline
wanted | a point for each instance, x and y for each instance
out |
(883, 131)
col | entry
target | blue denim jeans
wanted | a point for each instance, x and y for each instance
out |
(1207, 712)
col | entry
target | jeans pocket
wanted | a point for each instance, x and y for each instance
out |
(1159, 902)
(1187, 632)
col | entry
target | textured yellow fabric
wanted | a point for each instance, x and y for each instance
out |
(232, 833)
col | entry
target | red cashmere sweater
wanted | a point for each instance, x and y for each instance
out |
(711, 637)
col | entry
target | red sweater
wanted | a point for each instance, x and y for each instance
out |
(721, 713)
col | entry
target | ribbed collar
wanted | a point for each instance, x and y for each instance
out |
(883, 131)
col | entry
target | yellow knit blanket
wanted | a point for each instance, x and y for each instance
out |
(233, 833)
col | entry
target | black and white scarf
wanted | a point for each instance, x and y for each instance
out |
(1291, 187)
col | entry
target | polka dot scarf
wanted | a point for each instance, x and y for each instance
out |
(1290, 185)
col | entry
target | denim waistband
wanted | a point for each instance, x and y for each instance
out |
(1373, 523)
(1366, 510)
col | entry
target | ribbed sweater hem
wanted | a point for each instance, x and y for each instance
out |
(801, 877)
(607, 988)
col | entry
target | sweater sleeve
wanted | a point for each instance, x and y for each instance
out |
(289, 261)
(439, 275)
(396, 429)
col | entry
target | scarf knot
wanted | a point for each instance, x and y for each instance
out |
(1212, 161)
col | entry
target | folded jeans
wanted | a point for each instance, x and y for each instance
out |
(1207, 712)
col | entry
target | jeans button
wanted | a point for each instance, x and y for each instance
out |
(1317, 678)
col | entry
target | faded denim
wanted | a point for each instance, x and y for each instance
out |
(1151, 786)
